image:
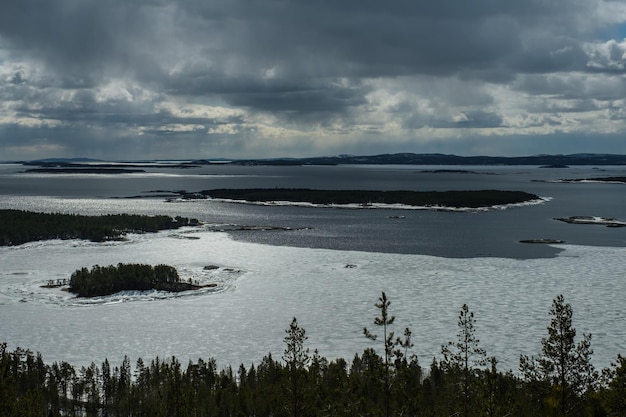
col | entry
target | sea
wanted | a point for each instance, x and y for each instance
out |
(324, 265)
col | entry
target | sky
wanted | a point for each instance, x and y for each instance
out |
(180, 79)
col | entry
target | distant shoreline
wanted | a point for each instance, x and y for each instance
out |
(85, 170)
(407, 158)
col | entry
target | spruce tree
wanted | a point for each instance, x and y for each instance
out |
(563, 366)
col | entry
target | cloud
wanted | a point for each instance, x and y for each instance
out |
(291, 77)
(609, 56)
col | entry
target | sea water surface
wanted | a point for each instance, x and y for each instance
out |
(324, 266)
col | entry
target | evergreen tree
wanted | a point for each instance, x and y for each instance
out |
(392, 346)
(309, 385)
(614, 395)
(297, 359)
(563, 367)
(464, 358)
(369, 395)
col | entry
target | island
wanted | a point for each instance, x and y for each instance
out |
(18, 226)
(555, 166)
(608, 180)
(546, 241)
(453, 199)
(106, 280)
(604, 221)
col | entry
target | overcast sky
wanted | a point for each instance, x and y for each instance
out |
(129, 79)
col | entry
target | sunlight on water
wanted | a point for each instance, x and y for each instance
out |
(259, 288)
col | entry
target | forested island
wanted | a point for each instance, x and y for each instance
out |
(18, 226)
(455, 199)
(384, 380)
(106, 280)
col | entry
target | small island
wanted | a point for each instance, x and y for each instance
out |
(604, 221)
(608, 180)
(545, 241)
(18, 227)
(107, 280)
(454, 199)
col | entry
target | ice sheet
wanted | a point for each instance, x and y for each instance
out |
(332, 293)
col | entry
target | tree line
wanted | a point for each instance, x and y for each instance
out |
(385, 380)
(105, 280)
(18, 226)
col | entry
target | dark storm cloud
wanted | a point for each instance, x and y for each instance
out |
(370, 38)
(324, 39)
(79, 39)
(275, 66)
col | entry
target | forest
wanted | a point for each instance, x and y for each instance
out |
(18, 226)
(384, 380)
(105, 280)
(473, 199)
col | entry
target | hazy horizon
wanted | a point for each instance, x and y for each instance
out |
(79, 159)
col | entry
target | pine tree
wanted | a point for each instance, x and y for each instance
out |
(464, 357)
(563, 366)
(297, 359)
(391, 346)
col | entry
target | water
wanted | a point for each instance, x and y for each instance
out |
(328, 272)
(495, 233)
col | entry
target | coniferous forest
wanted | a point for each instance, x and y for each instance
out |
(105, 280)
(18, 226)
(384, 380)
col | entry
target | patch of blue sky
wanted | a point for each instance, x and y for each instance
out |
(616, 32)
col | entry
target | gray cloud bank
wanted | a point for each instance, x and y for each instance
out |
(241, 78)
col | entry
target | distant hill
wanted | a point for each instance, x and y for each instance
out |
(548, 161)
(443, 159)
(65, 160)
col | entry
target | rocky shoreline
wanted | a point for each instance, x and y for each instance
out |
(604, 221)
